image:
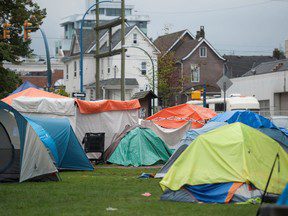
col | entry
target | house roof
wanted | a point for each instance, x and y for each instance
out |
(116, 82)
(143, 94)
(165, 42)
(269, 67)
(239, 65)
(116, 38)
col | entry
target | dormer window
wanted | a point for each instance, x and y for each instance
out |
(135, 39)
(203, 52)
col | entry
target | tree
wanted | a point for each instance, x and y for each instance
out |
(61, 91)
(169, 82)
(16, 12)
(9, 81)
(278, 54)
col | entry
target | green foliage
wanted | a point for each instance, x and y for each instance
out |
(9, 81)
(16, 12)
(169, 82)
(61, 91)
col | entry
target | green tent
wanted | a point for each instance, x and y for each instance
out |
(232, 153)
(140, 147)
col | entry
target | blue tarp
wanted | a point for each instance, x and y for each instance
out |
(246, 117)
(59, 137)
(24, 86)
(210, 193)
(283, 199)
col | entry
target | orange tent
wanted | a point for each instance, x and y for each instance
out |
(31, 92)
(177, 116)
(90, 107)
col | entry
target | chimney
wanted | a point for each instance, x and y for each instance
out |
(201, 33)
(286, 48)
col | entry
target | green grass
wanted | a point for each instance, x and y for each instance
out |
(90, 193)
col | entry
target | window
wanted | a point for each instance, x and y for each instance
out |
(195, 73)
(113, 12)
(128, 11)
(75, 68)
(109, 65)
(135, 39)
(203, 52)
(143, 68)
(67, 71)
(101, 10)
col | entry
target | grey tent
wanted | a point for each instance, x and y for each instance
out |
(23, 156)
(185, 142)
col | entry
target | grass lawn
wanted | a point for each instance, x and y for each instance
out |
(90, 193)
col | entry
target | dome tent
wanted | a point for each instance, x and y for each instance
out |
(23, 156)
(231, 154)
(140, 147)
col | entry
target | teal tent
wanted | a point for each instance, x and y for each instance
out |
(140, 147)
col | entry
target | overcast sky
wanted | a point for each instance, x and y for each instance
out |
(241, 27)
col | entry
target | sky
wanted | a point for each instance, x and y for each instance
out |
(240, 27)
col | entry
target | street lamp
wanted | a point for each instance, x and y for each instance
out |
(153, 70)
(81, 42)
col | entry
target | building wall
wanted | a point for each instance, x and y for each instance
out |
(134, 58)
(211, 70)
(270, 86)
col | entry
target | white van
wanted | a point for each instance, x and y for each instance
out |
(232, 103)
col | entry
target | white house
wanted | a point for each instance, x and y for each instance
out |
(268, 82)
(138, 66)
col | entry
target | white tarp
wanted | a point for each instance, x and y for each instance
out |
(55, 106)
(171, 137)
(36, 160)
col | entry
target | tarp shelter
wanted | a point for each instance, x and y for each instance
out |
(177, 116)
(107, 116)
(140, 147)
(23, 156)
(171, 136)
(232, 153)
(256, 121)
(64, 145)
(186, 140)
(24, 86)
(32, 93)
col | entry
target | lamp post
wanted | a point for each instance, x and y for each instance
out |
(153, 71)
(81, 42)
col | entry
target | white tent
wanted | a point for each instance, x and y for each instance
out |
(109, 117)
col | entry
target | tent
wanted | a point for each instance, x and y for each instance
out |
(256, 121)
(24, 86)
(234, 153)
(283, 199)
(106, 116)
(177, 116)
(65, 148)
(23, 156)
(32, 93)
(186, 140)
(170, 136)
(140, 147)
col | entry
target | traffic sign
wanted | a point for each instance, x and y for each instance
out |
(224, 83)
(79, 94)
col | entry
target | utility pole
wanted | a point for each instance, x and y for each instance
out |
(123, 50)
(97, 74)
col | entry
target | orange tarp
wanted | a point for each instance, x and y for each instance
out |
(31, 92)
(177, 116)
(90, 107)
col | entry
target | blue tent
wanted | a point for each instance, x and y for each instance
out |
(283, 199)
(244, 116)
(23, 156)
(256, 121)
(24, 86)
(185, 142)
(59, 137)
